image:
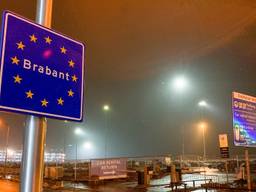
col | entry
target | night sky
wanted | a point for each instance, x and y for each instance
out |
(134, 50)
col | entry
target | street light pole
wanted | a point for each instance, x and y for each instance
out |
(183, 143)
(204, 155)
(106, 108)
(202, 105)
(180, 84)
(77, 131)
(76, 164)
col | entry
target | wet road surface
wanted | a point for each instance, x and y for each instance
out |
(8, 186)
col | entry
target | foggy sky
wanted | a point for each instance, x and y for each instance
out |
(134, 49)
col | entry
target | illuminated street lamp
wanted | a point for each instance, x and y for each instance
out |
(180, 84)
(106, 107)
(78, 131)
(87, 145)
(202, 103)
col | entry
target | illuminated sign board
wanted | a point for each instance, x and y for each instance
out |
(244, 119)
(223, 142)
(108, 168)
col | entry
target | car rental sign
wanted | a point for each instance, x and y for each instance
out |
(42, 71)
(244, 119)
(108, 168)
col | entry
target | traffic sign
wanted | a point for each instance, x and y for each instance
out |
(42, 71)
(244, 119)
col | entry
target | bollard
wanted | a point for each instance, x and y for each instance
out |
(173, 174)
(146, 179)
(185, 186)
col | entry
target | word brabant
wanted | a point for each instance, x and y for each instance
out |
(27, 64)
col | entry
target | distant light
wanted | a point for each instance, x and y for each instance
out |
(70, 145)
(106, 108)
(10, 152)
(202, 103)
(202, 125)
(88, 145)
(180, 84)
(79, 131)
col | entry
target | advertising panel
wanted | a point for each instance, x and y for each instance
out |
(244, 119)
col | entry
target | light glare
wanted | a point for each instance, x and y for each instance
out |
(106, 108)
(88, 145)
(10, 152)
(180, 84)
(202, 103)
(78, 131)
(202, 125)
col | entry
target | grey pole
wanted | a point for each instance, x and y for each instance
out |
(204, 155)
(248, 172)
(76, 164)
(33, 155)
(35, 130)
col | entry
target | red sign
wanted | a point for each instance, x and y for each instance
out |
(108, 168)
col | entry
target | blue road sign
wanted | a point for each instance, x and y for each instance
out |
(42, 71)
(244, 119)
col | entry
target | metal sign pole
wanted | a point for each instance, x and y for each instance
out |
(33, 155)
(35, 130)
(248, 169)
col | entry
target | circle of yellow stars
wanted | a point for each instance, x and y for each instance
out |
(18, 79)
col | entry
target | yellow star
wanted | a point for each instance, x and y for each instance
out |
(21, 45)
(17, 79)
(71, 63)
(15, 60)
(60, 101)
(70, 93)
(63, 50)
(33, 38)
(29, 94)
(74, 78)
(44, 103)
(48, 40)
